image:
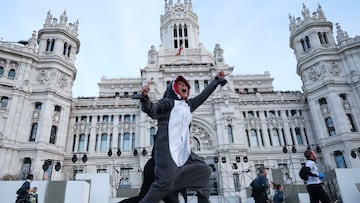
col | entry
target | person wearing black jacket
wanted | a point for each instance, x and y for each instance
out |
(260, 186)
(23, 191)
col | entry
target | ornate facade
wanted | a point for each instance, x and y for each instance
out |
(242, 126)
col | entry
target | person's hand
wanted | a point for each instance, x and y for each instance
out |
(321, 176)
(145, 89)
(221, 74)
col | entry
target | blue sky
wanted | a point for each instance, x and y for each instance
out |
(116, 35)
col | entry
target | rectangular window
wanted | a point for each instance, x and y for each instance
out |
(74, 142)
(298, 136)
(38, 105)
(101, 170)
(96, 142)
(197, 87)
(88, 143)
(236, 182)
(103, 145)
(351, 123)
(127, 118)
(126, 142)
(81, 145)
(339, 159)
(330, 126)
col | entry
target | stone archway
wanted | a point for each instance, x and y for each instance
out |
(200, 137)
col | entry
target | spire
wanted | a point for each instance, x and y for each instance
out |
(51, 22)
(305, 12)
(321, 13)
(341, 34)
(63, 19)
(317, 16)
(48, 18)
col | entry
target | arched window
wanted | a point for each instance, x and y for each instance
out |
(12, 74)
(351, 122)
(52, 45)
(4, 102)
(47, 45)
(57, 108)
(1, 71)
(65, 49)
(74, 142)
(126, 142)
(322, 101)
(197, 87)
(81, 145)
(330, 126)
(339, 159)
(175, 32)
(119, 141)
(69, 51)
(34, 128)
(110, 141)
(307, 41)
(105, 118)
(230, 134)
(323, 38)
(180, 31)
(103, 144)
(88, 143)
(298, 136)
(96, 142)
(276, 137)
(253, 138)
(53, 134)
(127, 118)
(133, 141)
(152, 135)
(38, 106)
(303, 45)
(206, 83)
(185, 31)
(195, 144)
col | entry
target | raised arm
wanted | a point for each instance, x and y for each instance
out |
(201, 98)
(152, 109)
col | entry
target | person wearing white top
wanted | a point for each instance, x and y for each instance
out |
(314, 184)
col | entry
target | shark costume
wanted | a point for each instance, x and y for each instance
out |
(176, 166)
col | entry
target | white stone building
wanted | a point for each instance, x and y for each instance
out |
(242, 126)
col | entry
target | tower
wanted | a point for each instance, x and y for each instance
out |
(179, 26)
(39, 95)
(179, 33)
(330, 75)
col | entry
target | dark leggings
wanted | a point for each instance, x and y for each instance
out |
(194, 175)
(317, 194)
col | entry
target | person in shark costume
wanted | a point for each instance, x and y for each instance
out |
(176, 166)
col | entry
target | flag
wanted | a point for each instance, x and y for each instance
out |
(180, 49)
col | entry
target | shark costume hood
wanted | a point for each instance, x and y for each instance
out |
(172, 89)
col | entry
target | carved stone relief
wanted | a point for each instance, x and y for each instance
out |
(62, 81)
(334, 69)
(43, 76)
(314, 73)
